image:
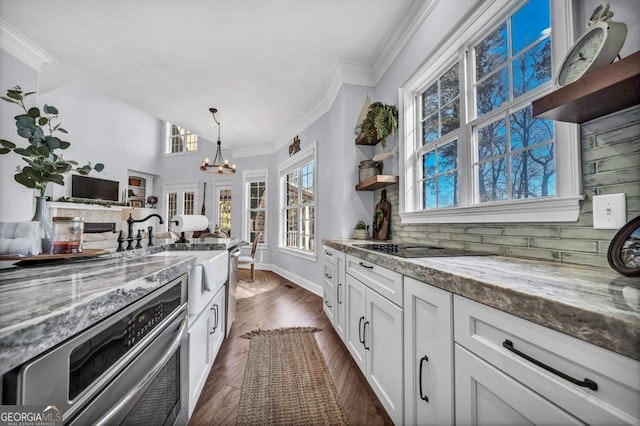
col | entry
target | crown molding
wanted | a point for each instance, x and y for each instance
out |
(16, 44)
(389, 51)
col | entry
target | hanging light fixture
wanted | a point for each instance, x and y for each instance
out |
(219, 166)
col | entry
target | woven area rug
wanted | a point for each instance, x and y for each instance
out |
(286, 381)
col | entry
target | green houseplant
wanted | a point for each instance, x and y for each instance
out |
(43, 164)
(380, 122)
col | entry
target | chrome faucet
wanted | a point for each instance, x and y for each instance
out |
(138, 238)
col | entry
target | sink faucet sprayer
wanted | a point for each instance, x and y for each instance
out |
(138, 237)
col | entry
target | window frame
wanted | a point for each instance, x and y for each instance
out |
(168, 140)
(180, 189)
(297, 162)
(248, 177)
(564, 207)
(219, 186)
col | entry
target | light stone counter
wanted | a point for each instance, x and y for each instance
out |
(45, 305)
(592, 304)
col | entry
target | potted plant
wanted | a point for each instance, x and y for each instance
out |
(43, 164)
(380, 122)
(361, 231)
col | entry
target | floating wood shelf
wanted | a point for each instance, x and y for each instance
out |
(377, 182)
(362, 140)
(603, 91)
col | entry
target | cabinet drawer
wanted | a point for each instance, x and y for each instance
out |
(328, 300)
(329, 275)
(485, 331)
(386, 282)
(330, 254)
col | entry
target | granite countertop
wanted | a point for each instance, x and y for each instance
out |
(593, 304)
(45, 305)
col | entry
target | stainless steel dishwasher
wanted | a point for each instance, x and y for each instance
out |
(232, 286)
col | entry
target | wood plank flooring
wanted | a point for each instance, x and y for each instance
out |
(287, 305)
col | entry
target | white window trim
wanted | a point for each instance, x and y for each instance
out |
(565, 207)
(298, 160)
(218, 186)
(167, 143)
(248, 176)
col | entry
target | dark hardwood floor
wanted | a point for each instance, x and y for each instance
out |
(287, 305)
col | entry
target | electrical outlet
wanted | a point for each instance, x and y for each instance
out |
(609, 211)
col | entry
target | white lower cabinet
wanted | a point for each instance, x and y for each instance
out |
(428, 354)
(512, 371)
(374, 338)
(206, 334)
(334, 289)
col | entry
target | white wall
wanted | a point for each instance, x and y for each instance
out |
(16, 201)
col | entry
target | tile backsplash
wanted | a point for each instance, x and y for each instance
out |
(610, 165)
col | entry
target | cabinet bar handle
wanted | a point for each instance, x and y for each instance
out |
(364, 333)
(326, 302)
(338, 294)
(365, 266)
(586, 383)
(214, 308)
(360, 330)
(328, 253)
(328, 276)
(422, 395)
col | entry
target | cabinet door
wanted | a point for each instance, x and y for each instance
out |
(340, 323)
(487, 396)
(428, 354)
(217, 323)
(382, 332)
(356, 304)
(199, 356)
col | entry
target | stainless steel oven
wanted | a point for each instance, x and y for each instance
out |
(232, 288)
(129, 369)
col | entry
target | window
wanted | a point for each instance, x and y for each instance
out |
(255, 184)
(180, 140)
(179, 199)
(476, 153)
(297, 203)
(224, 210)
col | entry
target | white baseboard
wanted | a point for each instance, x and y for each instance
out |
(302, 282)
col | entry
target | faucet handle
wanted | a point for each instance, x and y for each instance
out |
(138, 239)
(150, 229)
(120, 240)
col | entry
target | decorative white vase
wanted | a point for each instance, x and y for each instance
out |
(41, 216)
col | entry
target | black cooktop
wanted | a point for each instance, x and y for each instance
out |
(415, 250)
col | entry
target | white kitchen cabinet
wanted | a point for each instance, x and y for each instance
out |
(428, 354)
(206, 334)
(376, 323)
(334, 289)
(487, 396)
(520, 363)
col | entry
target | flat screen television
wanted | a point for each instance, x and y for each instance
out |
(94, 188)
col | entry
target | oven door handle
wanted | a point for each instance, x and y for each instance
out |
(142, 385)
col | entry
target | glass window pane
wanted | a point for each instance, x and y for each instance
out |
(430, 193)
(533, 173)
(448, 190)
(430, 129)
(492, 179)
(451, 117)
(492, 92)
(429, 163)
(447, 157)
(492, 140)
(532, 69)
(529, 24)
(491, 52)
(449, 85)
(430, 100)
(528, 131)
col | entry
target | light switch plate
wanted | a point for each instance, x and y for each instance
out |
(609, 211)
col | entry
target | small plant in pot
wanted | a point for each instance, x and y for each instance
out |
(380, 122)
(361, 231)
(43, 164)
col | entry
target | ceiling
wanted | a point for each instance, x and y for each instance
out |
(271, 67)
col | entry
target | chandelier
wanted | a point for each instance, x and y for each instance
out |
(219, 166)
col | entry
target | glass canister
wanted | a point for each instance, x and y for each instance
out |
(67, 235)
